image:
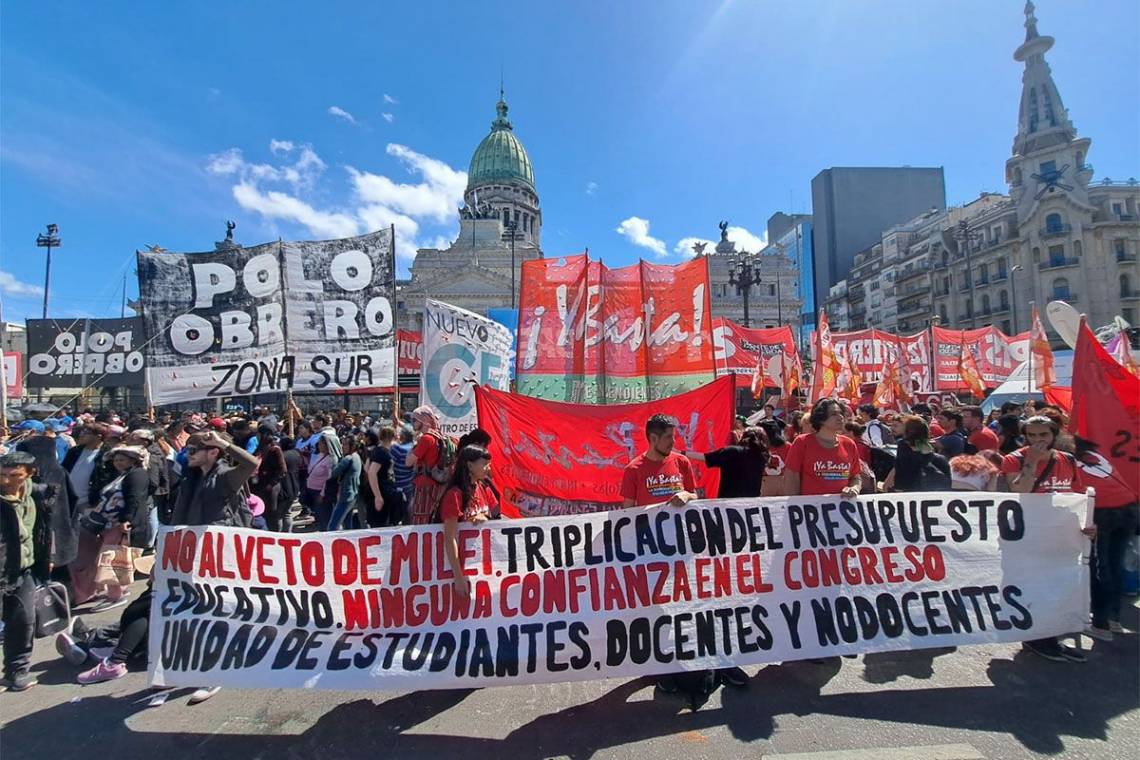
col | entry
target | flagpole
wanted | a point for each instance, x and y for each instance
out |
(395, 337)
(1032, 326)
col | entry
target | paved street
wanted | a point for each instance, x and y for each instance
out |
(978, 702)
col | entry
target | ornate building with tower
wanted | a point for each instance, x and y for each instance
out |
(500, 227)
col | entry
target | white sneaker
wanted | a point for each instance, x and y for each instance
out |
(111, 604)
(1115, 626)
(204, 693)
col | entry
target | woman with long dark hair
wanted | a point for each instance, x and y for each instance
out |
(466, 499)
(741, 464)
(1009, 433)
(917, 466)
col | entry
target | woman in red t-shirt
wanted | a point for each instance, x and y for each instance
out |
(823, 462)
(468, 498)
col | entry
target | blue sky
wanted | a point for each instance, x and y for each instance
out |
(152, 123)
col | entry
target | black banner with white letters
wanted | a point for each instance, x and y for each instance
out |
(308, 316)
(78, 353)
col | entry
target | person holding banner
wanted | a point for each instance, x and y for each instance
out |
(741, 465)
(824, 462)
(659, 475)
(1040, 467)
(467, 499)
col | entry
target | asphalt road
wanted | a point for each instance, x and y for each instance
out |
(992, 702)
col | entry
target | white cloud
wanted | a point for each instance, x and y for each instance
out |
(388, 117)
(287, 192)
(11, 286)
(274, 204)
(747, 241)
(591, 188)
(636, 230)
(340, 113)
(390, 100)
(684, 246)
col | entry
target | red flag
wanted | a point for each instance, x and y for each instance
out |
(1106, 406)
(556, 458)
(827, 366)
(885, 397)
(793, 371)
(1044, 375)
(968, 372)
(758, 377)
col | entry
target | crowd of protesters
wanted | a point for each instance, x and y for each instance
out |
(83, 497)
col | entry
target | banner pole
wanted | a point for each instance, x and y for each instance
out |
(395, 339)
(1029, 380)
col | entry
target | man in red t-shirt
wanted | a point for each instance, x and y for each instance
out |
(1039, 467)
(977, 434)
(660, 474)
(825, 462)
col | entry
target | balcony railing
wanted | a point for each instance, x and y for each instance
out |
(1130, 295)
(1064, 295)
(1058, 264)
(1001, 309)
(1056, 230)
(1001, 277)
(965, 287)
(1125, 256)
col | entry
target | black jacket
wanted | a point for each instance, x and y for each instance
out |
(64, 524)
(44, 497)
(136, 505)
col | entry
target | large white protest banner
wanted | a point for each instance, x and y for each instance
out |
(461, 349)
(623, 593)
(311, 316)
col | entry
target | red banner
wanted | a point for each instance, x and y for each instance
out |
(866, 350)
(738, 347)
(14, 374)
(997, 355)
(1106, 407)
(588, 334)
(553, 458)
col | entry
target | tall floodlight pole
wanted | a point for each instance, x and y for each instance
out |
(49, 241)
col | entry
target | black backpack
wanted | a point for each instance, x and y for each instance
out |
(934, 474)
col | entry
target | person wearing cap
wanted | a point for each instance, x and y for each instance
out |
(25, 561)
(121, 512)
(56, 429)
(952, 442)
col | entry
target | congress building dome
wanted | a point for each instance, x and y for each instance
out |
(500, 180)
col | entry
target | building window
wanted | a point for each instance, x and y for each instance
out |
(942, 313)
(1125, 286)
(771, 290)
(1005, 326)
(1003, 299)
(1056, 255)
(506, 215)
(1129, 316)
(1118, 246)
(1117, 209)
(1078, 249)
(986, 304)
(1053, 223)
(1048, 167)
(1061, 289)
(1036, 255)
(1001, 268)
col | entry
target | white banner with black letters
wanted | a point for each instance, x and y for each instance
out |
(623, 593)
(311, 316)
(460, 349)
(77, 353)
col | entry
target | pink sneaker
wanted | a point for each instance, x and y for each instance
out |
(104, 671)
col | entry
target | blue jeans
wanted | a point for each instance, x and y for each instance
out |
(339, 512)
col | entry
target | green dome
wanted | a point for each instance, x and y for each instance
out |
(500, 157)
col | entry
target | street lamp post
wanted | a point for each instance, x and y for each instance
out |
(512, 230)
(967, 235)
(49, 241)
(743, 280)
(1013, 293)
